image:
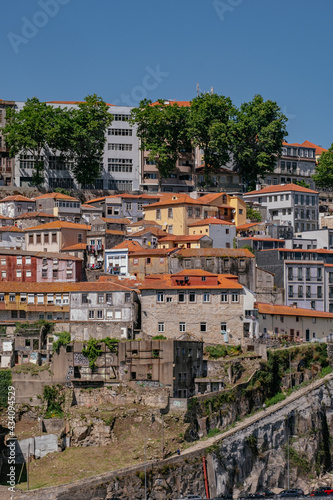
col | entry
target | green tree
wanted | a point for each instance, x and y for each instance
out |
(303, 184)
(324, 170)
(253, 214)
(76, 134)
(30, 131)
(81, 136)
(257, 135)
(209, 128)
(162, 129)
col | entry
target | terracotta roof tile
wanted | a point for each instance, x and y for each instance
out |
(149, 229)
(11, 229)
(250, 224)
(48, 255)
(291, 311)
(17, 197)
(87, 286)
(176, 237)
(151, 252)
(31, 215)
(211, 220)
(58, 224)
(132, 246)
(319, 149)
(77, 246)
(215, 252)
(111, 220)
(116, 232)
(56, 196)
(281, 189)
(168, 101)
(168, 281)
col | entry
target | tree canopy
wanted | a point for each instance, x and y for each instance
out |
(162, 129)
(257, 135)
(78, 134)
(324, 170)
(250, 137)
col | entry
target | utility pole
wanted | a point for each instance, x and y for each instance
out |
(162, 436)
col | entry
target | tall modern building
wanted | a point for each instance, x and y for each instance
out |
(121, 163)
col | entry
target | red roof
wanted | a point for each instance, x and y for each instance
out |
(281, 189)
(291, 311)
(109, 220)
(176, 237)
(169, 281)
(31, 215)
(17, 197)
(216, 252)
(132, 246)
(250, 224)
(319, 149)
(58, 224)
(84, 286)
(77, 246)
(211, 220)
(56, 196)
(150, 252)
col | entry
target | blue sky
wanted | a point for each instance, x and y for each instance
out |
(129, 49)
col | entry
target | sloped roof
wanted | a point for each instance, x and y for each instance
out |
(84, 286)
(250, 224)
(168, 281)
(211, 220)
(151, 252)
(132, 246)
(215, 252)
(291, 311)
(17, 197)
(171, 101)
(31, 253)
(58, 224)
(281, 189)
(32, 215)
(56, 196)
(77, 246)
(110, 220)
(176, 237)
(319, 149)
(156, 231)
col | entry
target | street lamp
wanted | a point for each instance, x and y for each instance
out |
(147, 439)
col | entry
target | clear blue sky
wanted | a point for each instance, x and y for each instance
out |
(281, 49)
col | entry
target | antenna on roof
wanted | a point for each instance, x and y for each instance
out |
(198, 89)
(212, 90)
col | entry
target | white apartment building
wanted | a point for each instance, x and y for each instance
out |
(288, 204)
(121, 163)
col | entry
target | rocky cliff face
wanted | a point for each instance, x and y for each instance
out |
(249, 458)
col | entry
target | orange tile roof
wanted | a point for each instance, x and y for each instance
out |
(291, 311)
(215, 252)
(144, 222)
(281, 189)
(208, 198)
(84, 286)
(17, 197)
(48, 255)
(56, 196)
(149, 229)
(58, 224)
(176, 237)
(211, 220)
(180, 200)
(31, 215)
(77, 246)
(12, 229)
(5, 217)
(167, 281)
(130, 282)
(319, 149)
(250, 224)
(110, 220)
(86, 206)
(151, 252)
(132, 246)
(127, 195)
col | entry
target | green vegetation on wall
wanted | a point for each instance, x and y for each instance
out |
(5, 382)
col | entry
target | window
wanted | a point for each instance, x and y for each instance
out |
(203, 327)
(120, 131)
(2, 297)
(3, 274)
(84, 298)
(170, 213)
(100, 314)
(18, 273)
(191, 297)
(160, 327)
(182, 326)
(65, 299)
(300, 274)
(38, 239)
(290, 291)
(91, 314)
(55, 273)
(19, 261)
(319, 292)
(28, 261)
(223, 328)
(44, 273)
(50, 298)
(127, 297)
(117, 314)
(46, 238)
(206, 297)
(31, 298)
(4, 262)
(79, 238)
(158, 214)
(235, 297)
(109, 298)
(148, 260)
(160, 296)
(290, 273)
(58, 299)
(181, 296)
(300, 291)
(54, 237)
(40, 298)
(190, 211)
(100, 298)
(224, 296)
(12, 297)
(23, 297)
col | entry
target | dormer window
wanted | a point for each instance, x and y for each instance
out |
(203, 278)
